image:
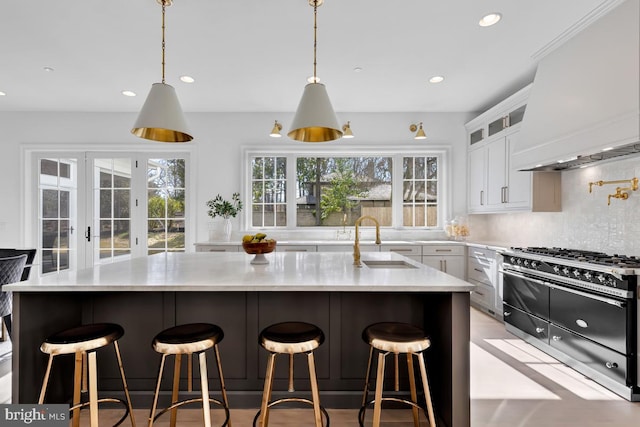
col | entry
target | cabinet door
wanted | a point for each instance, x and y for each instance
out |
(496, 172)
(476, 194)
(453, 265)
(518, 192)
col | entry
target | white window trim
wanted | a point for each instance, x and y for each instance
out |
(445, 186)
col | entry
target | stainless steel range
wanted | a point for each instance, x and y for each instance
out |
(580, 307)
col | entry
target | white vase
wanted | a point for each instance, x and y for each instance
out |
(226, 231)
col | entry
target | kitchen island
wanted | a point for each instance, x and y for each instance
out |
(146, 295)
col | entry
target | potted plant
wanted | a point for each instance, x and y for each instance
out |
(219, 207)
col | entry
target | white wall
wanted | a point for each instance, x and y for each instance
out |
(219, 139)
(586, 222)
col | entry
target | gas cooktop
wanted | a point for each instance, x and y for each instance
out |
(600, 258)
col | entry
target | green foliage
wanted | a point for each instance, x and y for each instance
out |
(340, 195)
(220, 207)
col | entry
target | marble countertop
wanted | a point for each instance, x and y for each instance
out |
(232, 271)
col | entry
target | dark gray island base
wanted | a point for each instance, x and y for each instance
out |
(341, 360)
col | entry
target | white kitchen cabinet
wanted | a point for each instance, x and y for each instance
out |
(494, 185)
(409, 250)
(449, 259)
(214, 247)
(348, 248)
(295, 248)
(482, 271)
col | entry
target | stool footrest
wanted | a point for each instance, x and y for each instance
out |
(195, 400)
(387, 399)
(106, 400)
(293, 399)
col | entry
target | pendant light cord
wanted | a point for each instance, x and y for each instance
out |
(315, 38)
(163, 45)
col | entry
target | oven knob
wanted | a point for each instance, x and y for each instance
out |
(534, 264)
(565, 271)
(519, 261)
(587, 275)
(513, 260)
(556, 269)
(526, 263)
(576, 273)
(601, 278)
(611, 365)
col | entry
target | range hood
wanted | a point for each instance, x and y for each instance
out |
(584, 104)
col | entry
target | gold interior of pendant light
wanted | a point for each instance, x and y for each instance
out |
(161, 117)
(315, 119)
(420, 134)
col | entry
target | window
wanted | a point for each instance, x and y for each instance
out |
(268, 191)
(332, 190)
(166, 205)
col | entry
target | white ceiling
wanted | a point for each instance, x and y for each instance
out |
(251, 55)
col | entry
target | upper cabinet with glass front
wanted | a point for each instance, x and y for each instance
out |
(508, 113)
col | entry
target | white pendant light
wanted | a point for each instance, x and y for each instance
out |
(161, 118)
(315, 119)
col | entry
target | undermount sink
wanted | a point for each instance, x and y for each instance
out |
(387, 264)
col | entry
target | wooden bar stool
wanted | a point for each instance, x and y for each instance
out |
(394, 338)
(83, 341)
(290, 338)
(188, 339)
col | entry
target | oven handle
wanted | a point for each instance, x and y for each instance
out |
(562, 288)
(590, 296)
(523, 277)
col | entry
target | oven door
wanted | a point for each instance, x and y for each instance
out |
(599, 318)
(526, 293)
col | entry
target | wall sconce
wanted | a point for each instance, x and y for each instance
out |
(346, 129)
(420, 134)
(275, 132)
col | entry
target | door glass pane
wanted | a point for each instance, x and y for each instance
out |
(112, 199)
(166, 205)
(57, 183)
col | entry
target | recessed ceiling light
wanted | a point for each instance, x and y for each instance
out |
(128, 93)
(312, 79)
(436, 79)
(2, 93)
(607, 149)
(357, 69)
(48, 69)
(187, 79)
(490, 19)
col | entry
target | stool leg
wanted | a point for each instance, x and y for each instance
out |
(263, 421)
(45, 381)
(412, 388)
(291, 388)
(124, 383)
(314, 389)
(93, 388)
(223, 389)
(204, 385)
(367, 381)
(427, 393)
(157, 392)
(377, 405)
(190, 372)
(77, 384)
(176, 388)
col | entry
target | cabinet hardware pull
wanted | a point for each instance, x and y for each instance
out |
(539, 330)
(295, 250)
(481, 197)
(611, 365)
(480, 293)
(217, 250)
(478, 270)
(506, 194)
(444, 261)
(400, 250)
(506, 313)
(556, 338)
(441, 266)
(443, 250)
(87, 235)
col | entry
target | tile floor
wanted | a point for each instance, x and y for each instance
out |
(512, 385)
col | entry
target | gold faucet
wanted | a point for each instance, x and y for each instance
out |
(356, 244)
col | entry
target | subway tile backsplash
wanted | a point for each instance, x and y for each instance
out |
(586, 222)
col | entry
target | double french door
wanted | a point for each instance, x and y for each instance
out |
(97, 208)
